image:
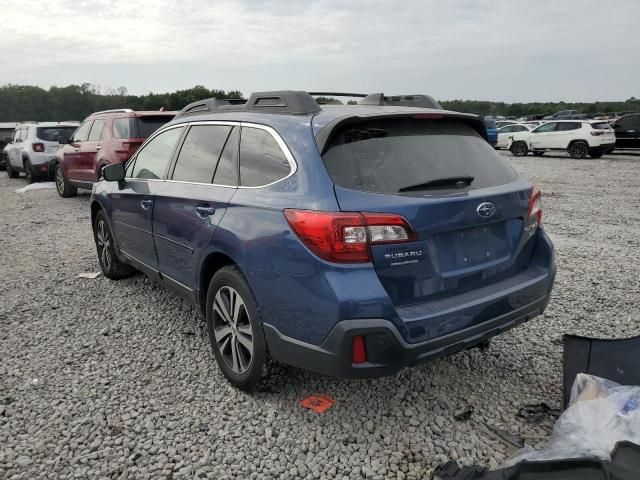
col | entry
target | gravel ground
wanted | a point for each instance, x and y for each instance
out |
(103, 379)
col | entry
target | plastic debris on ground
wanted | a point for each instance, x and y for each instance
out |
(36, 186)
(90, 275)
(318, 403)
(601, 413)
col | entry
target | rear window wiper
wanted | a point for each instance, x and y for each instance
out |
(440, 182)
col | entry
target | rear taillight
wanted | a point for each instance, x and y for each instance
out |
(535, 204)
(38, 147)
(345, 237)
(596, 133)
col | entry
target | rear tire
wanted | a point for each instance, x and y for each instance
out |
(578, 150)
(112, 267)
(62, 184)
(11, 172)
(519, 149)
(28, 171)
(235, 330)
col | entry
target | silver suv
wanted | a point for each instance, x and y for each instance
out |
(33, 147)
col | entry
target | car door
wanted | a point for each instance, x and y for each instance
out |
(627, 131)
(89, 151)
(132, 205)
(503, 136)
(563, 134)
(14, 147)
(541, 136)
(189, 206)
(71, 155)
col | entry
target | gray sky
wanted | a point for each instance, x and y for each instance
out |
(533, 50)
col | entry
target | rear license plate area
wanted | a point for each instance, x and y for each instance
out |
(472, 247)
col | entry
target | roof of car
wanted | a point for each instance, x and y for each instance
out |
(51, 124)
(8, 124)
(134, 113)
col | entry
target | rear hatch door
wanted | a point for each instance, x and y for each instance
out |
(467, 205)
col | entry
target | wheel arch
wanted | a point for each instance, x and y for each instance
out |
(213, 262)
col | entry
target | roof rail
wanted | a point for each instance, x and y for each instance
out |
(423, 101)
(282, 101)
(115, 110)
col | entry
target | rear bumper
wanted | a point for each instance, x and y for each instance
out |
(387, 351)
(527, 296)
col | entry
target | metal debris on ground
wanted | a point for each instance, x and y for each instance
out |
(536, 413)
(90, 275)
(464, 413)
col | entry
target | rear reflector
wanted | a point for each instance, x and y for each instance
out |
(359, 352)
(345, 237)
(535, 204)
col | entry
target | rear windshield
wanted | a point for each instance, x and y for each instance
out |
(52, 134)
(601, 126)
(148, 124)
(385, 156)
(489, 123)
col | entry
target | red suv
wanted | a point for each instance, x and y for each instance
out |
(106, 137)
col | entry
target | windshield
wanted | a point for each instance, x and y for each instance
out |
(385, 156)
(52, 134)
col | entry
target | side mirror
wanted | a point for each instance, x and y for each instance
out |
(114, 173)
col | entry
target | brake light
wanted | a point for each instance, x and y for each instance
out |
(38, 147)
(345, 237)
(595, 133)
(535, 204)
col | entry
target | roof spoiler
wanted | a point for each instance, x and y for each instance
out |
(422, 101)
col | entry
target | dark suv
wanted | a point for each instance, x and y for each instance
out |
(627, 130)
(348, 240)
(104, 138)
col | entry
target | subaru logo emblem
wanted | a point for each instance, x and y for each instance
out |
(486, 209)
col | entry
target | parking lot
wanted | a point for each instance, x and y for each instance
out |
(104, 379)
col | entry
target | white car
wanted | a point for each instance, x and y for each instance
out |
(33, 146)
(577, 137)
(506, 133)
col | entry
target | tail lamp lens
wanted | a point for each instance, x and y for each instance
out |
(345, 237)
(535, 204)
(38, 147)
(358, 350)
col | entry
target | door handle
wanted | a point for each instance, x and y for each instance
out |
(146, 204)
(98, 147)
(77, 149)
(203, 211)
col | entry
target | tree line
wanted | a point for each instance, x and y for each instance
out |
(75, 102)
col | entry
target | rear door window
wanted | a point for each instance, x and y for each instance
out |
(601, 126)
(262, 161)
(387, 155)
(153, 160)
(200, 152)
(82, 133)
(96, 131)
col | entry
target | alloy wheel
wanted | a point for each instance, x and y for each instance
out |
(232, 329)
(60, 180)
(104, 244)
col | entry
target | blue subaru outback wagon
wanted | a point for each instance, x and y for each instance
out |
(347, 240)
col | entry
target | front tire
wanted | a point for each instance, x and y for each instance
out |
(519, 149)
(62, 184)
(235, 330)
(112, 267)
(578, 150)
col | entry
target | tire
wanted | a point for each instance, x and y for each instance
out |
(237, 341)
(538, 153)
(578, 150)
(112, 267)
(28, 171)
(11, 172)
(519, 149)
(62, 184)
(596, 153)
